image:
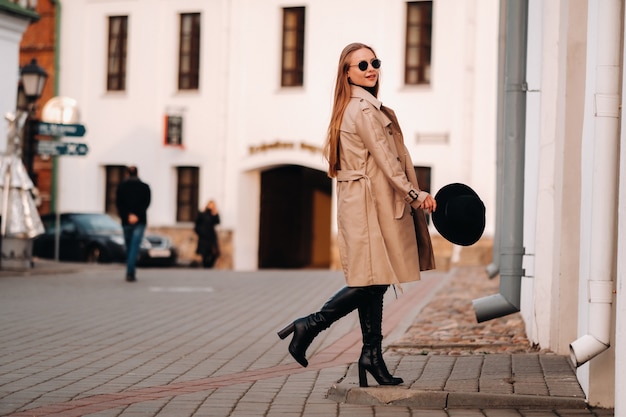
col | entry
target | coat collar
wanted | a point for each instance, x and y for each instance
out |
(360, 92)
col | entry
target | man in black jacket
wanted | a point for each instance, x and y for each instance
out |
(132, 200)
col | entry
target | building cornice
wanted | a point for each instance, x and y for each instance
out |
(12, 8)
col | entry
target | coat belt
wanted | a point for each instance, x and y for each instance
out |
(351, 175)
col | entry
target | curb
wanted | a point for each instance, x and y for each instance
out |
(446, 400)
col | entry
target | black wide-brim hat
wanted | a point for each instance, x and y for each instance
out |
(460, 214)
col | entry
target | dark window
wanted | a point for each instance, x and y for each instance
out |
(419, 18)
(423, 177)
(114, 175)
(293, 47)
(174, 130)
(116, 60)
(187, 194)
(189, 52)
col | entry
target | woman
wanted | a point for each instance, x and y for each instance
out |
(377, 192)
(208, 246)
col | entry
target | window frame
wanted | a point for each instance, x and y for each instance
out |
(189, 44)
(187, 193)
(424, 177)
(418, 43)
(292, 49)
(113, 176)
(173, 130)
(117, 53)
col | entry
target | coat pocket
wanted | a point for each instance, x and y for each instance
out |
(401, 206)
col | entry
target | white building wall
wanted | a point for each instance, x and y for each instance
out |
(534, 59)
(128, 127)
(620, 310)
(620, 286)
(570, 181)
(549, 127)
(448, 125)
(552, 172)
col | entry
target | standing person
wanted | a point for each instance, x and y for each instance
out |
(208, 246)
(132, 200)
(377, 192)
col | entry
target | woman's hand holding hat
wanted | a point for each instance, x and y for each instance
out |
(429, 204)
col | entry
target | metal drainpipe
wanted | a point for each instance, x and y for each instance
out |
(604, 169)
(511, 145)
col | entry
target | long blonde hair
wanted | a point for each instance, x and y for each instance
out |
(340, 102)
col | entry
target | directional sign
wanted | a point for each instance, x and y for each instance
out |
(57, 129)
(52, 147)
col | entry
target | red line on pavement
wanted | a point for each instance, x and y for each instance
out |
(341, 352)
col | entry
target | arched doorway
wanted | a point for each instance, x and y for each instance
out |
(295, 218)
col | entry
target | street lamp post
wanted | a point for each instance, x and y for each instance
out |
(20, 221)
(32, 81)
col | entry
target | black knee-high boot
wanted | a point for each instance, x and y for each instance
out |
(371, 360)
(305, 329)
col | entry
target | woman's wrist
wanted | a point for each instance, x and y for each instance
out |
(421, 196)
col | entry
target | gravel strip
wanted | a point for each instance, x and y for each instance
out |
(448, 325)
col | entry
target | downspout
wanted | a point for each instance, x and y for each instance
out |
(510, 166)
(604, 171)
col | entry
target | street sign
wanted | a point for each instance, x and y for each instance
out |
(57, 129)
(52, 147)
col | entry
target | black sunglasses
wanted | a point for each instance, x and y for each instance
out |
(364, 64)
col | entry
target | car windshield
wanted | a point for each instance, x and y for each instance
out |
(97, 223)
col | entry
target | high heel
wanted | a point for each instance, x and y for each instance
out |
(362, 377)
(377, 368)
(305, 329)
(301, 340)
(286, 331)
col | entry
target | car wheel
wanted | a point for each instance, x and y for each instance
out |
(94, 255)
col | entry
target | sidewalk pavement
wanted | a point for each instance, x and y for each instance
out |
(500, 381)
(50, 267)
(454, 362)
(448, 361)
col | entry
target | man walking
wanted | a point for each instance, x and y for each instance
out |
(132, 200)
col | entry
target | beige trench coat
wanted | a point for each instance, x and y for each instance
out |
(376, 235)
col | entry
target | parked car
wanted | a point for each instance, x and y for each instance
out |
(98, 237)
(157, 250)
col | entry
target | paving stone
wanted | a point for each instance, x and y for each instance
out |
(89, 344)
